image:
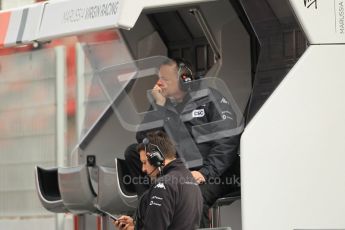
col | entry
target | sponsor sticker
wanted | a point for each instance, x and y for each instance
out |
(198, 113)
(154, 203)
(310, 4)
(339, 16)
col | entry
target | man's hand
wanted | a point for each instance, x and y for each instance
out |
(124, 223)
(158, 96)
(198, 177)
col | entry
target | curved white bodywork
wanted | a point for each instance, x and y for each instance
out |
(292, 152)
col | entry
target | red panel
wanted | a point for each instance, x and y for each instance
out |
(4, 21)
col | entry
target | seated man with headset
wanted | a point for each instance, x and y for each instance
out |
(182, 113)
(174, 199)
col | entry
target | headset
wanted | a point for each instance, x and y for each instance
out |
(184, 73)
(154, 154)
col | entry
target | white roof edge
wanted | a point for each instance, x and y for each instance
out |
(54, 19)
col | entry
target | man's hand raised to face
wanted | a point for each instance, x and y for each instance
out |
(158, 96)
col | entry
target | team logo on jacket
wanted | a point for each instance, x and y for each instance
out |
(160, 185)
(198, 113)
(224, 101)
(226, 115)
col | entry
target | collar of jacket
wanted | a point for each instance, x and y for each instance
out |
(177, 163)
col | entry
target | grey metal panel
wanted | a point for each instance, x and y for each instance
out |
(48, 195)
(76, 191)
(107, 140)
(112, 197)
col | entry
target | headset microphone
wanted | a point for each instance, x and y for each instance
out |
(149, 174)
(146, 141)
(184, 74)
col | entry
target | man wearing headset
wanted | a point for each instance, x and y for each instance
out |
(174, 200)
(220, 156)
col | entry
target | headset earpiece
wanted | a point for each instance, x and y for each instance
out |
(153, 153)
(185, 74)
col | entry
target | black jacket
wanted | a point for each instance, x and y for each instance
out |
(173, 202)
(203, 124)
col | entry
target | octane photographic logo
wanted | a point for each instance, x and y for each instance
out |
(310, 3)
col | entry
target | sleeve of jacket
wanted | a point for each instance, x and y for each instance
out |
(160, 209)
(223, 151)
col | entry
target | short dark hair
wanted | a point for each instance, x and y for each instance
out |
(178, 62)
(163, 142)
